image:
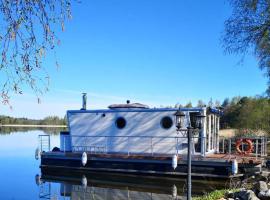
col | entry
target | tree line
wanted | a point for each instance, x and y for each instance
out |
(245, 113)
(50, 120)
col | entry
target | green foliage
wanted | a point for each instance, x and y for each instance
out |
(28, 33)
(188, 105)
(215, 195)
(247, 30)
(225, 103)
(247, 113)
(201, 104)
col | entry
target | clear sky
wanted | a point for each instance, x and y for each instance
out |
(150, 51)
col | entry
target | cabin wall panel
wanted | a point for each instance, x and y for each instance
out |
(105, 136)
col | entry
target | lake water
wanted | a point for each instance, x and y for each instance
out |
(21, 177)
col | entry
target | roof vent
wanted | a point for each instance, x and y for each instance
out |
(128, 105)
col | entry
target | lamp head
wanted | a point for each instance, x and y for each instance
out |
(179, 119)
(199, 120)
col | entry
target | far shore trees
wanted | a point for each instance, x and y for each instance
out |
(50, 120)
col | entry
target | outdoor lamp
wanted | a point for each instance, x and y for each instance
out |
(199, 120)
(179, 119)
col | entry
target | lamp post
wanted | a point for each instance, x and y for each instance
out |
(179, 118)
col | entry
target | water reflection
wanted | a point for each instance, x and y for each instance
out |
(5, 130)
(18, 164)
(18, 168)
(98, 186)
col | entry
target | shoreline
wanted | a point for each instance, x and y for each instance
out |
(33, 125)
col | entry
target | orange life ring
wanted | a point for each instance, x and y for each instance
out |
(246, 141)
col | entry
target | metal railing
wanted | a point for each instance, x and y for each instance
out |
(259, 143)
(44, 142)
(151, 145)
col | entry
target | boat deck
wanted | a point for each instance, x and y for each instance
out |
(241, 159)
(214, 165)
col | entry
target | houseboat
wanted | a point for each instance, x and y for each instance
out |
(132, 138)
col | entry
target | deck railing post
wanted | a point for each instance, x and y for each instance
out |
(177, 146)
(203, 146)
(40, 142)
(264, 142)
(64, 143)
(265, 146)
(256, 148)
(152, 152)
(223, 145)
(261, 147)
(230, 146)
(106, 145)
(128, 144)
(49, 142)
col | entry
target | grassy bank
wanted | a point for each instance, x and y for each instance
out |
(215, 195)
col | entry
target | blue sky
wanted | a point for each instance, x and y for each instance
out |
(150, 51)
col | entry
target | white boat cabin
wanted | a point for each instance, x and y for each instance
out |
(138, 129)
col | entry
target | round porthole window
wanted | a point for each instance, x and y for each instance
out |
(120, 122)
(166, 122)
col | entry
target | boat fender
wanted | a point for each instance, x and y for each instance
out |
(84, 158)
(234, 167)
(84, 181)
(37, 154)
(174, 161)
(174, 191)
(38, 180)
(55, 149)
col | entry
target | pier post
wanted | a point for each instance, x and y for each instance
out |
(189, 134)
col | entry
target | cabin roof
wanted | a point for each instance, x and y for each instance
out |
(209, 110)
(136, 110)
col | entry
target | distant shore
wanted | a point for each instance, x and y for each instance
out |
(33, 125)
